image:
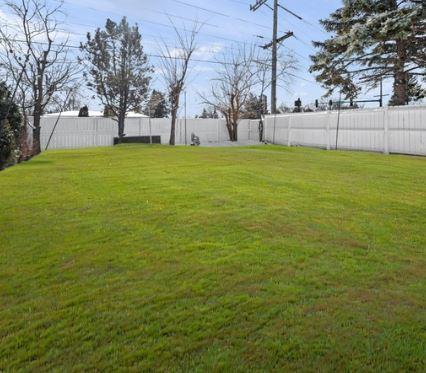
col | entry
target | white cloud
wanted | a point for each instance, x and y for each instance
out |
(208, 50)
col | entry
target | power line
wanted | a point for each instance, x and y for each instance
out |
(79, 47)
(239, 2)
(178, 17)
(221, 14)
(304, 42)
(142, 20)
(155, 36)
(297, 53)
(214, 12)
(318, 28)
(149, 55)
(302, 78)
(153, 11)
(299, 27)
(168, 26)
(289, 11)
(201, 8)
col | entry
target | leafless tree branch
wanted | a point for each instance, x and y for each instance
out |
(175, 65)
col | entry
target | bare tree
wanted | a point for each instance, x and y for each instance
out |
(175, 66)
(242, 72)
(29, 47)
(232, 87)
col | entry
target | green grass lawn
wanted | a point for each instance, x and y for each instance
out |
(213, 259)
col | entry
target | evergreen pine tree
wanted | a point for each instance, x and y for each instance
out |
(119, 69)
(157, 106)
(254, 107)
(374, 40)
(209, 113)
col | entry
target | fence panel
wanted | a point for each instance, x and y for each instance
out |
(208, 130)
(393, 129)
(72, 133)
(95, 131)
(407, 130)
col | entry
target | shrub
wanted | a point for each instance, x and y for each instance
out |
(10, 128)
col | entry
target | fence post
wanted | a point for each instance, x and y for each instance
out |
(182, 131)
(265, 127)
(275, 125)
(327, 130)
(385, 131)
(218, 129)
(289, 131)
(94, 134)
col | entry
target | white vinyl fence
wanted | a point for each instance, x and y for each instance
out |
(87, 132)
(390, 130)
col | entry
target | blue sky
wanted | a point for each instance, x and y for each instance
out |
(227, 23)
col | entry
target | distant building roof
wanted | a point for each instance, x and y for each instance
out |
(92, 113)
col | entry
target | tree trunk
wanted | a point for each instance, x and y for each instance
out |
(174, 110)
(121, 119)
(261, 129)
(230, 131)
(234, 131)
(36, 134)
(24, 149)
(173, 128)
(400, 85)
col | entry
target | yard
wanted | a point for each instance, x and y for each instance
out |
(223, 259)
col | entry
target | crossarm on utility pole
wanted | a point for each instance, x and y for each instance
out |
(274, 44)
(279, 40)
(258, 4)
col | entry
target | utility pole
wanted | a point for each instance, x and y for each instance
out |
(185, 119)
(274, 44)
(274, 60)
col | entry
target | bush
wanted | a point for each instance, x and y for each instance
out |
(10, 128)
